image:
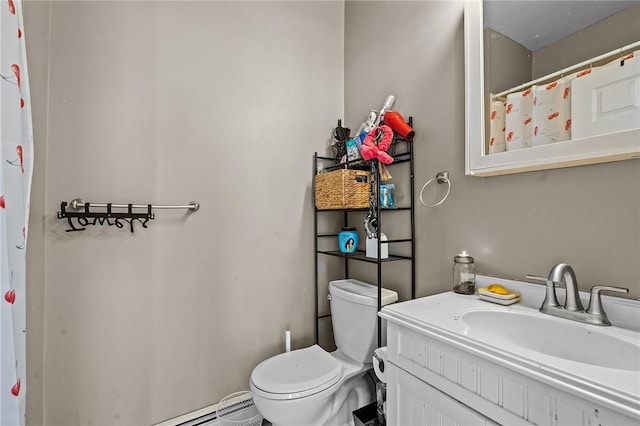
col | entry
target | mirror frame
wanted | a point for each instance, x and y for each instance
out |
(592, 150)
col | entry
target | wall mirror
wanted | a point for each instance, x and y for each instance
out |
(550, 84)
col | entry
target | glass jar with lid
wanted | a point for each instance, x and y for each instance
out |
(464, 274)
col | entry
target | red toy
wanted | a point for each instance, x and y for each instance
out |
(376, 144)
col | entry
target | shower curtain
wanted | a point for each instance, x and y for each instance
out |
(16, 140)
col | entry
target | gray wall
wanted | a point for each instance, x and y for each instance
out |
(586, 216)
(167, 102)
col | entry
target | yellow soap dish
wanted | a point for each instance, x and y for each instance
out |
(500, 301)
(484, 291)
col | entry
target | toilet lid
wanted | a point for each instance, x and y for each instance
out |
(303, 371)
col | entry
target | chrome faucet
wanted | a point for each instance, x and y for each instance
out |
(563, 275)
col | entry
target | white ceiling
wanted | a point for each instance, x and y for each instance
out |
(538, 23)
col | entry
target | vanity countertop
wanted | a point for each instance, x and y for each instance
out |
(595, 376)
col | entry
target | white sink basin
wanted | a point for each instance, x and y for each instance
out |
(560, 338)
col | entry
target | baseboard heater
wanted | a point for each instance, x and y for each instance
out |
(207, 415)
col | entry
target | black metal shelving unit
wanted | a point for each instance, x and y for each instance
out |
(405, 157)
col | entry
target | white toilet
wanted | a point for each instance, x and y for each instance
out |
(313, 387)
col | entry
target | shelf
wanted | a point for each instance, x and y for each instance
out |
(397, 159)
(344, 210)
(335, 235)
(361, 256)
(404, 240)
(396, 209)
(405, 156)
(364, 209)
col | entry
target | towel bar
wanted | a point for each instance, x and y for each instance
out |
(84, 216)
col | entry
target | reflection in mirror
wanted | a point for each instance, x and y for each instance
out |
(534, 51)
(554, 71)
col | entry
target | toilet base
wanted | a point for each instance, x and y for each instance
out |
(361, 392)
(333, 406)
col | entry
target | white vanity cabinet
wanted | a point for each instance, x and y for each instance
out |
(411, 401)
(437, 375)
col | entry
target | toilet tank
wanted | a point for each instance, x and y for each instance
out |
(354, 317)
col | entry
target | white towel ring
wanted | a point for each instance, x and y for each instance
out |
(441, 177)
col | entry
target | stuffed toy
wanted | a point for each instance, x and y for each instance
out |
(376, 144)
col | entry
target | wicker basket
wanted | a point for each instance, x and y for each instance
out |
(342, 189)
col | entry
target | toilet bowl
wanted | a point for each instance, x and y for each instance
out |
(311, 386)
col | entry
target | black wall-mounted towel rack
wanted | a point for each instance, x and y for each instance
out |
(84, 214)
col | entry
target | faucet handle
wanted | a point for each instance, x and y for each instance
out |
(536, 278)
(600, 288)
(550, 299)
(595, 303)
(545, 280)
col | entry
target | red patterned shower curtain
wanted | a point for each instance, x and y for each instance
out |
(16, 141)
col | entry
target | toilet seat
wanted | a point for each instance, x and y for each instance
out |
(297, 374)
